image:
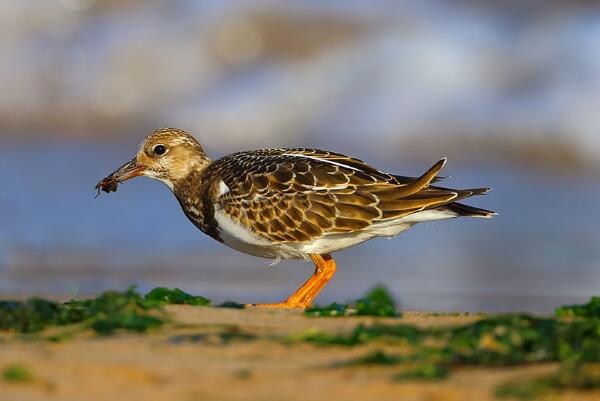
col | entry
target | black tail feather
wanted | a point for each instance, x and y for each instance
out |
(468, 211)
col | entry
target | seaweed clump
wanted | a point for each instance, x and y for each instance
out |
(377, 302)
(425, 371)
(174, 296)
(577, 377)
(17, 374)
(588, 310)
(108, 312)
(503, 340)
(496, 341)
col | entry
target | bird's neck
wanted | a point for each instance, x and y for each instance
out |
(194, 195)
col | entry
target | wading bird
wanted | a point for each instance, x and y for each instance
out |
(291, 203)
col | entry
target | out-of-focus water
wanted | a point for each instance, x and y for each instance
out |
(57, 240)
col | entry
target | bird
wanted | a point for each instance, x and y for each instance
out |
(291, 203)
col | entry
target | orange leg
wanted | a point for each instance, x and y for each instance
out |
(303, 297)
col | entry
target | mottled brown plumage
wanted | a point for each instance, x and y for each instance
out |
(283, 196)
(290, 203)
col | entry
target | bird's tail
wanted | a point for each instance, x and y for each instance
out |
(421, 186)
(461, 209)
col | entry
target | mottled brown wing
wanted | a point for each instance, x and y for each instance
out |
(302, 194)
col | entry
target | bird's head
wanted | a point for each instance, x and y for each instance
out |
(167, 155)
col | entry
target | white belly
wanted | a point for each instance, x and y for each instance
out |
(241, 239)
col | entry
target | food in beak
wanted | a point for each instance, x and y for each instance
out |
(107, 184)
(111, 182)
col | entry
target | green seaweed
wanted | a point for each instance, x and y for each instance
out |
(332, 310)
(377, 302)
(108, 312)
(579, 341)
(231, 305)
(363, 334)
(524, 389)
(17, 374)
(497, 341)
(242, 374)
(224, 337)
(170, 296)
(446, 314)
(30, 316)
(132, 321)
(572, 338)
(589, 310)
(377, 357)
(426, 371)
(502, 340)
(113, 310)
(584, 376)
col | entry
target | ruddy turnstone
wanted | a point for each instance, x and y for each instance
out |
(291, 203)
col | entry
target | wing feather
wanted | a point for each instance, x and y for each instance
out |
(302, 194)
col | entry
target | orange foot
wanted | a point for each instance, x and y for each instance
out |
(303, 297)
(277, 305)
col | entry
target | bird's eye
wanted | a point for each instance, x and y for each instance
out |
(160, 149)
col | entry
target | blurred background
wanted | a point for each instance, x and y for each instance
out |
(509, 90)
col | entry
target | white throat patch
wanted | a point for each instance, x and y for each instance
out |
(154, 176)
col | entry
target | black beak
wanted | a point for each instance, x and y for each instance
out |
(127, 171)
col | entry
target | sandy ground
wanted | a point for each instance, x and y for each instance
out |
(168, 365)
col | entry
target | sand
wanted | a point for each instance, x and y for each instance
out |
(188, 361)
